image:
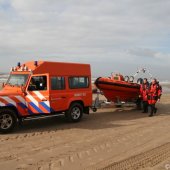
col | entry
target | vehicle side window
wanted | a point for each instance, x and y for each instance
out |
(78, 82)
(57, 83)
(38, 83)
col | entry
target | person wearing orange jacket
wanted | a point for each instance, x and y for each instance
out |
(144, 89)
(154, 95)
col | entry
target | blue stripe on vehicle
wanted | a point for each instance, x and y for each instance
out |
(36, 108)
(30, 112)
(25, 107)
(52, 110)
(22, 105)
(45, 106)
(10, 104)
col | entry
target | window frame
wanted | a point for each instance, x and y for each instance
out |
(25, 83)
(57, 77)
(38, 75)
(79, 82)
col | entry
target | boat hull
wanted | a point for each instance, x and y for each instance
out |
(117, 91)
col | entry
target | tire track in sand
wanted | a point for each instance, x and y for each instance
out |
(144, 160)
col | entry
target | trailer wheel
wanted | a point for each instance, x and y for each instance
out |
(94, 109)
(118, 105)
(75, 112)
(8, 120)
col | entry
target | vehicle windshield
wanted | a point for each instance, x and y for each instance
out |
(17, 79)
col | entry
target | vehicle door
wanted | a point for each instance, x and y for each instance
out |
(37, 94)
(58, 93)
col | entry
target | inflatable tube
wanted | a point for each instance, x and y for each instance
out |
(96, 81)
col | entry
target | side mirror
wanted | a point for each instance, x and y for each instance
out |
(23, 90)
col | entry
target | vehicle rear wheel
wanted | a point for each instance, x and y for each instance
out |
(75, 112)
(8, 120)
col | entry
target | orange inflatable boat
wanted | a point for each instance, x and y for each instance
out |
(118, 88)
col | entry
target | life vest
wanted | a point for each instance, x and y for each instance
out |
(154, 93)
(144, 89)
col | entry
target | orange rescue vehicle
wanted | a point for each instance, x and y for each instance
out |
(42, 88)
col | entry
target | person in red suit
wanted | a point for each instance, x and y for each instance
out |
(154, 95)
(144, 89)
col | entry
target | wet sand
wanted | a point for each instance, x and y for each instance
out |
(112, 138)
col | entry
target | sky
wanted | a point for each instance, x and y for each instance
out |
(111, 35)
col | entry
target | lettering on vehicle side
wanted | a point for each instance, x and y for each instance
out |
(79, 94)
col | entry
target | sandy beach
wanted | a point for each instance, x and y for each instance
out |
(111, 138)
(64, 58)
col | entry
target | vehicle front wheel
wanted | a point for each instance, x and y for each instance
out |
(75, 112)
(8, 120)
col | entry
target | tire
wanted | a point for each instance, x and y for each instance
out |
(75, 112)
(131, 79)
(8, 120)
(94, 109)
(126, 78)
(118, 105)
